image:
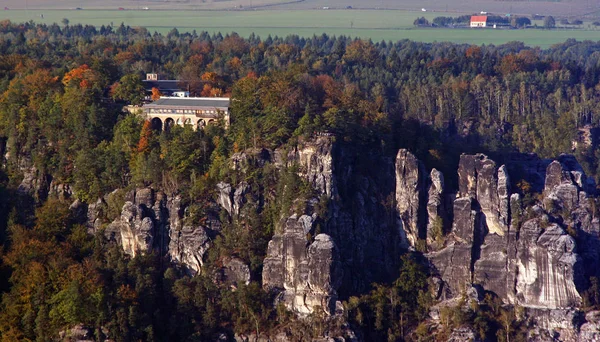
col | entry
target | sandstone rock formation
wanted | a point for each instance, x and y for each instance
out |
(361, 217)
(306, 274)
(35, 184)
(410, 196)
(234, 271)
(230, 198)
(463, 334)
(188, 246)
(531, 251)
(436, 211)
(315, 159)
(151, 221)
(536, 256)
(136, 228)
(250, 158)
(590, 330)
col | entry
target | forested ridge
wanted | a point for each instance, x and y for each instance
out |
(62, 124)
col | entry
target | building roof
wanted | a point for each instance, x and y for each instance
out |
(190, 102)
(479, 18)
(164, 85)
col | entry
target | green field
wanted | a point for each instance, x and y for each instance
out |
(369, 24)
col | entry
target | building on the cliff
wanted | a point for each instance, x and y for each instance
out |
(196, 111)
(479, 21)
(167, 87)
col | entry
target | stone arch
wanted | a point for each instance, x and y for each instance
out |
(211, 122)
(169, 123)
(187, 121)
(179, 122)
(200, 124)
(156, 124)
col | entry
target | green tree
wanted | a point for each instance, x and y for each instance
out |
(549, 22)
(129, 89)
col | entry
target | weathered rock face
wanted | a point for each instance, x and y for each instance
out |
(523, 254)
(361, 217)
(410, 196)
(547, 267)
(59, 190)
(151, 221)
(554, 325)
(481, 248)
(452, 264)
(250, 158)
(480, 179)
(534, 263)
(136, 229)
(234, 271)
(307, 274)
(232, 199)
(78, 333)
(35, 184)
(463, 334)
(188, 246)
(590, 330)
(436, 211)
(316, 163)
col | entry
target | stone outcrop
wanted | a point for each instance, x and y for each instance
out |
(188, 246)
(452, 264)
(547, 267)
(78, 333)
(361, 217)
(306, 274)
(536, 256)
(315, 159)
(137, 229)
(410, 196)
(60, 190)
(151, 221)
(436, 211)
(478, 241)
(232, 199)
(481, 180)
(554, 325)
(482, 247)
(590, 330)
(530, 261)
(35, 184)
(463, 333)
(242, 161)
(234, 271)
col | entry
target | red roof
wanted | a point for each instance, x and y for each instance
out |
(479, 18)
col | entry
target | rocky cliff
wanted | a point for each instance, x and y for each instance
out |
(530, 254)
(307, 274)
(152, 221)
(358, 243)
(526, 231)
(531, 250)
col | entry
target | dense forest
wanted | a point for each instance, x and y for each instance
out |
(61, 119)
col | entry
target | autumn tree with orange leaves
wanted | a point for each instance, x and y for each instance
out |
(82, 76)
(156, 94)
(145, 136)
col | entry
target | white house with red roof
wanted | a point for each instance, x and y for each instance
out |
(479, 21)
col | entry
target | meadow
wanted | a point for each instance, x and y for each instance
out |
(390, 25)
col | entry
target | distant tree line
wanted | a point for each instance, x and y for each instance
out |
(465, 20)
